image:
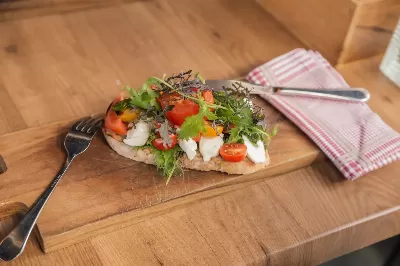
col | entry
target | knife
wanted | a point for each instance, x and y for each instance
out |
(350, 94)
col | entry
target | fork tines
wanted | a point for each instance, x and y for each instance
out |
(89, 124)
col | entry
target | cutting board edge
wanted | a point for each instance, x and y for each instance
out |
(114, 222)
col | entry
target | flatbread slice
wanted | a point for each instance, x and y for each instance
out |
(215, 164)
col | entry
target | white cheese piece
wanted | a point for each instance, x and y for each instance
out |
(256, 153)
(138, 135)
(189, 147)
(209, 147)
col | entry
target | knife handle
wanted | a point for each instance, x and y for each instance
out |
(351, 94)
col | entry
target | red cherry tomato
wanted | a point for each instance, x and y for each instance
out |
(158, 143)
(208, 96)
(169, 98)
(182, 110)
(233, 152)
(197, 138)
(112, 121)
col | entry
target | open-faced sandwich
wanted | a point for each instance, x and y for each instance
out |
(180, 122)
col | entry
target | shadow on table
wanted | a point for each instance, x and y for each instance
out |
(384, 253)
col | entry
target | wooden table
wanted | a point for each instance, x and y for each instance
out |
(300, 218)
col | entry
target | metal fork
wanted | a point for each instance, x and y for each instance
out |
(75, 143)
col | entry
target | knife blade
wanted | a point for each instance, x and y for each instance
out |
(349, 94)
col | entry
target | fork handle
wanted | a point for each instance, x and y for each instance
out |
(354, 94)
(14, 243)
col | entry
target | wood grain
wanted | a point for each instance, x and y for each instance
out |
(22, 9)
(105, 190)
(67, 65)
(344, 30)
(302, 218)
(322, 25)
(370, 32)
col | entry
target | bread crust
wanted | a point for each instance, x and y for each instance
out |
(215, 164)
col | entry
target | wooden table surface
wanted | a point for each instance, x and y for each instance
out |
(300, 218)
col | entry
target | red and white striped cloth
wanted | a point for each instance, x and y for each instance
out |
(354, 138)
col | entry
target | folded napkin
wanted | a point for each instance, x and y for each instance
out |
(353, 137)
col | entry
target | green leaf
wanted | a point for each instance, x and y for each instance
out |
(194, 124)
(168, 161)
(122, 105)
(132, 92)
(145, 97)
(139, 103)
(153, 102)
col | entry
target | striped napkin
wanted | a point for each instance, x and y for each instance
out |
(353, 137)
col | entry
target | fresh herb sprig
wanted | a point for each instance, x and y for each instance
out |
(168, 161)
(240, 116)
(144, 98)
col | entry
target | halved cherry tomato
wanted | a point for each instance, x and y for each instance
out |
(181, 110)
(169, 98)
(197, 138)
(114, 123)
(211, 131)
(114, 135)
(206, 94)
(233, 152)
(158, 143)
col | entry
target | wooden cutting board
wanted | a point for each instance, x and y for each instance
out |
(103, 191)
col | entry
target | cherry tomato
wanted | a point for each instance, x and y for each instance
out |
(206, 94)
(197, 138)
(182, 110)
(114, 135)
(169, 98)
(158, 143)
(114, 123)
(233, 152)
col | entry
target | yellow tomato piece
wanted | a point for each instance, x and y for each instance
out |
(129, 115)
(212, 132)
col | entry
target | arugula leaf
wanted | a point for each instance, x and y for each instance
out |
(145, 97)
(253, 133)
(194, 124)
(122, 105)
(168, 161)
(239, 113)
